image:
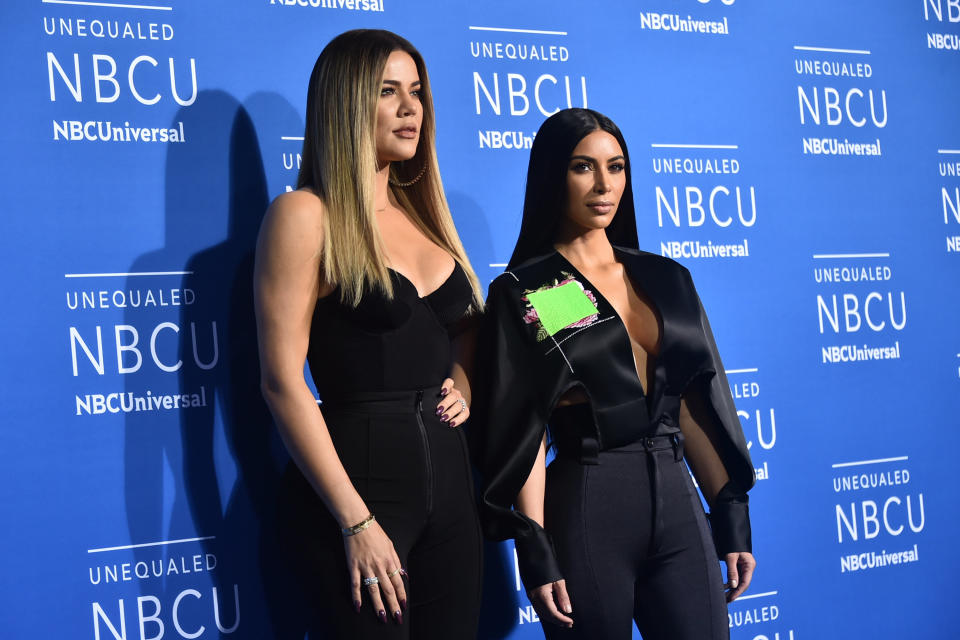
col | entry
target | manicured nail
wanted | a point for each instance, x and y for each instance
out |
(356, 605)
(403, 603)
(439, 410)
(444, 391)
(452, 423)
(398, 616)
(382, 616)
(445, 417)
(403, 572)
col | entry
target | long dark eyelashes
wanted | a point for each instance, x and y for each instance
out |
(587, 166)
(388, 90)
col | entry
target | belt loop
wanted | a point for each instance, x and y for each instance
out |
(589, 451)
(677, 439)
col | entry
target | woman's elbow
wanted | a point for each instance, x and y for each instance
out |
(277, 390)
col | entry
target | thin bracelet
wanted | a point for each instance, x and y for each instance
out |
(360, 526)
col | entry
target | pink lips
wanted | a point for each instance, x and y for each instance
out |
(602, 207)
(406, 132)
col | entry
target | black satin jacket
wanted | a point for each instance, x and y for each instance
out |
(523, 371)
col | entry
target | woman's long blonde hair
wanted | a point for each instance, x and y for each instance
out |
(339, 162)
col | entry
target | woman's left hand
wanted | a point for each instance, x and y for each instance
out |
(453, 407)
(740, 568)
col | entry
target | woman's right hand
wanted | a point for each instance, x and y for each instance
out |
(551, 602)
(370, 553)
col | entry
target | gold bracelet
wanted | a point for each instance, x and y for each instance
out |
(360, 526)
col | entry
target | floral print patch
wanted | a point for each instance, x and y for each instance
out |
(562, 304)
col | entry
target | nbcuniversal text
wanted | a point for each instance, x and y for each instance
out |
(883, 508)
(129, 402)
(875, 560)
(140, 343)
(107, 131)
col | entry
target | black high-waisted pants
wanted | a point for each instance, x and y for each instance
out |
(634, 546)
(413, 472)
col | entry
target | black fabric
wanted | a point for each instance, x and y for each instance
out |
(646, 557)
(520, 380)
(411, 469)
(730, 520)
(386, 344)
(424, 502)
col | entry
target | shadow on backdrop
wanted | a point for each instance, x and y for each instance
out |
(209, 471)
(498, 614)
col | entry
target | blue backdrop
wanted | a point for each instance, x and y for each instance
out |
(801, 158)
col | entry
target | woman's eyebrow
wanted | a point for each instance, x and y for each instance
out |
(589, 159)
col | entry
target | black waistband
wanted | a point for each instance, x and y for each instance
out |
(402, 401)
(576, 434)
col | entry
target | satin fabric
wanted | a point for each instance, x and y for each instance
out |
(520, 380)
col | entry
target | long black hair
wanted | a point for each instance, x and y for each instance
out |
(545, 202)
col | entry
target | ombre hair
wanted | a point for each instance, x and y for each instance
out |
(545, 202)
(339, 162)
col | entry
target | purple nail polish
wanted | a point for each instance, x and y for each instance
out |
(403, 602)
(382, 615)
(398, 616)
(439, 410)
(445, 417)
(403, 572)
(356, 605)
(444, 391)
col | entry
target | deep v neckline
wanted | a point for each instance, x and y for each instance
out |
(649, 393)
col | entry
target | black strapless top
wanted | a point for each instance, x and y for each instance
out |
(384, 344)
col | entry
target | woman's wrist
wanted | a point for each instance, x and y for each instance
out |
(536, 559)
(359, 526)
(730, 521)
(351, 514)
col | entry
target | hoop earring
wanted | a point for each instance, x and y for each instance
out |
(416, 179)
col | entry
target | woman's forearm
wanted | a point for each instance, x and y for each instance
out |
(530, 498)
(701, 446)
(305, 434)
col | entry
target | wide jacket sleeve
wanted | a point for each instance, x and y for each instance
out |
(730, 515)
(509, 422)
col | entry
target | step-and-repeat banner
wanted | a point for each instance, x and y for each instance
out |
(801, 158)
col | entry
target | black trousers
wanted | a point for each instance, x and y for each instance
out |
(634, 546)
(413, 472)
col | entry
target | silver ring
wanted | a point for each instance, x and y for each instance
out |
(371, 580)
(463, 404)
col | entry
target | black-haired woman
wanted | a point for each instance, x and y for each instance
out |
(611, 347)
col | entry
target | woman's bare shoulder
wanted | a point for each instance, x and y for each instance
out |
(303, 205)
(295, 216)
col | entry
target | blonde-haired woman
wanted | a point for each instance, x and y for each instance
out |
(361, 273)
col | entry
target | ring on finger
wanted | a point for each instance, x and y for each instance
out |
(393, 573)
(463, 404)
(372, 580)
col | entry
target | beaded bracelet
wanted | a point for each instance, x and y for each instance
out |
(360, 526)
